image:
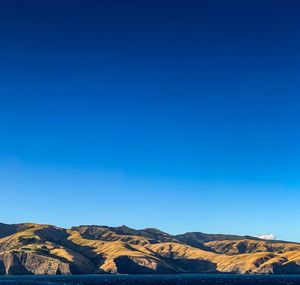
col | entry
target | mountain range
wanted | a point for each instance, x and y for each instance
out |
(39, 249)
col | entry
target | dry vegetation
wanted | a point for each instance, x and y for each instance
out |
(44, 249)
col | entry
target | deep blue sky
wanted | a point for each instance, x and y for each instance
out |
(182, 115)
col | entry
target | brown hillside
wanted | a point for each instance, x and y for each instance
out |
(44, 249)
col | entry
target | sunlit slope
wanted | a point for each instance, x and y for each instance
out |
(39, 249)
(44, 249)
(233, 247)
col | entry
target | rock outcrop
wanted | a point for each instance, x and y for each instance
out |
(48, 250)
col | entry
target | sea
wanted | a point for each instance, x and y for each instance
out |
(184, 279)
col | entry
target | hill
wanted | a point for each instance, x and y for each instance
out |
(45, 249)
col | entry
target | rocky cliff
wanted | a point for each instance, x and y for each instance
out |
(44, 249)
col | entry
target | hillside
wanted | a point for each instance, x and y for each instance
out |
(45, 249)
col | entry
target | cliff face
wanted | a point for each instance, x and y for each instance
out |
(45, 249)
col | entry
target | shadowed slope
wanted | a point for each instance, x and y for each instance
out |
(44, 249)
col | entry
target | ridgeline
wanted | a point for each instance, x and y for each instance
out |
(49, 250)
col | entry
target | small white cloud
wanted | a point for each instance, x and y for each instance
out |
(268, 236)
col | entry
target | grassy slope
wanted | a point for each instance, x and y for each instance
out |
(124, 250)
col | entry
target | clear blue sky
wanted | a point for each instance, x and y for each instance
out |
(181, 115)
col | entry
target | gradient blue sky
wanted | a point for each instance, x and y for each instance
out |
(181, 115)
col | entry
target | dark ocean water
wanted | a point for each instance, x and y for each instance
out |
(185, 279)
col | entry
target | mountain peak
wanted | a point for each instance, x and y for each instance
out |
(46, 249)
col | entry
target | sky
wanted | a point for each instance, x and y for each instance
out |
(180, 115)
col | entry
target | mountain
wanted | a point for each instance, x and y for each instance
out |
(45, 249)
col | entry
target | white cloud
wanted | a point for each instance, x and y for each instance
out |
(268, 236)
